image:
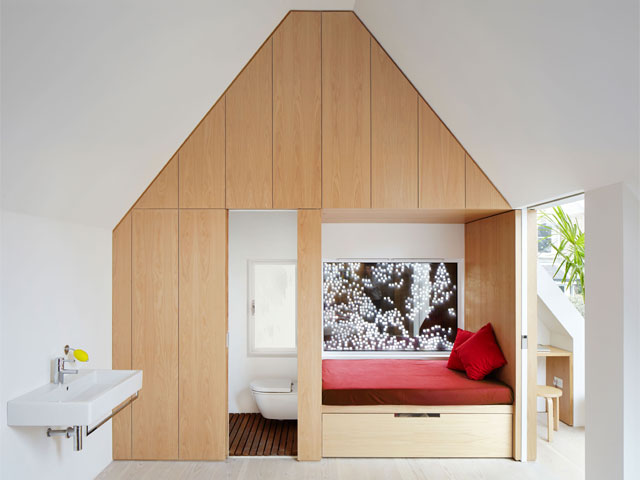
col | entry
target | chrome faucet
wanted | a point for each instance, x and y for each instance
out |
(75, 354)
(58, 376)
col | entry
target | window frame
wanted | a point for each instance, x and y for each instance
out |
(252, 351)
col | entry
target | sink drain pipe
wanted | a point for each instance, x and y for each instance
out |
(71, 432)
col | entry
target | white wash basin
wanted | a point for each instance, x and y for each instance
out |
(83, 399)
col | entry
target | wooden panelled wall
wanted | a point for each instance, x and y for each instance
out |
(170, 320)
(320, 118)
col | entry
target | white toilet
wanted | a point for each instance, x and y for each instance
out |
(277, 398)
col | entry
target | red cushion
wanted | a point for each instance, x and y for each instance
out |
(405, 382)
(481, 354)
(454, 362)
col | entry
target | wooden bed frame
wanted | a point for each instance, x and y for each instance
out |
(417, 431)
(492, 280)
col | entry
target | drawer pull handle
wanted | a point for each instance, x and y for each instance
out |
(417, 415)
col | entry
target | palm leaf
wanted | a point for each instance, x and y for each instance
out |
(569, 250)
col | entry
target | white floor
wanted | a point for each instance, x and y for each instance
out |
(561, 459)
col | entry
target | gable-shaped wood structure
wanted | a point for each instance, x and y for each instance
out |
(320, 120)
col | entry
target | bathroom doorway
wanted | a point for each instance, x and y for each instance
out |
(262, 333)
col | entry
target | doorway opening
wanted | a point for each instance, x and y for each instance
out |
(558, 372)
(262, 333)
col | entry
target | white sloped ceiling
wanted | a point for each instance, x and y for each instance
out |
(543, 94)
(96, 96)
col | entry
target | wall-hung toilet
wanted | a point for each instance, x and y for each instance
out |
(277, 398)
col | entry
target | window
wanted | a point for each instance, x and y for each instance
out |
(390, 306)
(272, 308)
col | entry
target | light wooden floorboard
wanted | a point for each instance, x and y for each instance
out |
(563, 459)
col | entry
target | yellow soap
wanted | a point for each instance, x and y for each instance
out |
(81, 355)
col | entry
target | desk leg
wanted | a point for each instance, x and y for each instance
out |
(556, 412)
(550, 417)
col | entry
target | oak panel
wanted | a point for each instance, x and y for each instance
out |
(163, 191)
(346, 112)
(202, 163)
(155, 333)
(480, 192)
(492, 294)
(297, 114)
(121, 329)
(394, 135)
(249, 134)
(532, 334)
(442, 163)
(203, 328)
(385, 435)
(562, 367)
(309, 335)
(413, 215)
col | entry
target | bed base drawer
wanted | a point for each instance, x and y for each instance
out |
(419, 435)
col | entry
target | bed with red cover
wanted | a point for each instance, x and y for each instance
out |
(406, 382)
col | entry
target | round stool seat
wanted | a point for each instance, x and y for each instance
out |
(548, 392)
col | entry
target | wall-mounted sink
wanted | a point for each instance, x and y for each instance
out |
(84, 399)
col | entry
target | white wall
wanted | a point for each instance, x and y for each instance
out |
(56, 289)
(631, 344)
(254, 236)
(392, 240)
(612, 334)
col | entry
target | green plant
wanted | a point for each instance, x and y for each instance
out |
(570, 248)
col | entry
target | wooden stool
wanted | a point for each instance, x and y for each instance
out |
(552, 395)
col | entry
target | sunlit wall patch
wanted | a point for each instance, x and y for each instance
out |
(384, 306)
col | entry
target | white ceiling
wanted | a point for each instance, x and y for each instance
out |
(96, 96)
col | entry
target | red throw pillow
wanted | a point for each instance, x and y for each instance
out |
(481, 354)
(454, 362)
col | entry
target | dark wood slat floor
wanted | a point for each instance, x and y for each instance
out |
(250, 434)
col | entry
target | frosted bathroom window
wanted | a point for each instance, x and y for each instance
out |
(272, 307)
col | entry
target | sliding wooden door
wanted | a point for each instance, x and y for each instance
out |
(309, 335)
(121, 329)
(203, 327)
(532, 333)
(493, 294)
(155, 333)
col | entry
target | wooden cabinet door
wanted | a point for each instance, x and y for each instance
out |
(394, 135)
(442, 163)
(481, 194)
(121, 329)
(163, 191)
(203, 326)
(155, 333)
(346, 112)
(249, 134)
(202, 163)
(297, 163)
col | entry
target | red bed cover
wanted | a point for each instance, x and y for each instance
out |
(405, 382)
